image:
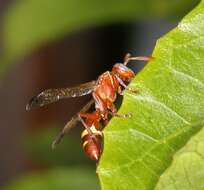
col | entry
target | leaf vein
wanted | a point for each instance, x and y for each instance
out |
(128, 164)
(140, 133)
(161, 104)
(151, 170)
(187, 76)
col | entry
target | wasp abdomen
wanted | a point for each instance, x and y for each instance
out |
(92, 143)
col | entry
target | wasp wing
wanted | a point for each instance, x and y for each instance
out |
(53, 95)
(70, 124)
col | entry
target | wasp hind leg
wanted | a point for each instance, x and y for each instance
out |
(88, 128)
(92, 119)
(70, 124)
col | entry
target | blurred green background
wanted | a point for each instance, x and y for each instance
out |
(52, 44)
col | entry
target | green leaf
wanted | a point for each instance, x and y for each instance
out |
(187, 169)
(167, 110)
(57, 179)
(30, 24)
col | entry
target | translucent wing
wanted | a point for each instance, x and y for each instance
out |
(53, 95)
(70, 124)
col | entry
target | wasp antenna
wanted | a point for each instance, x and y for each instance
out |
(128, 58)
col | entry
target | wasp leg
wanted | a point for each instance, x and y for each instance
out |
(125, 86)
(92, 118)
(65, 130)
(85, 125)
(105, 122)
(113, 111)
(111, 106)
(128, 58)
(70, 124)
(120, 91)
(88, 128)
(101, 106)
(120, 115)
(98, 102)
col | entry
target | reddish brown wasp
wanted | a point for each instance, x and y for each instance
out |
(104, 91)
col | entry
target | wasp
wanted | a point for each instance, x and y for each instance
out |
(104, 91)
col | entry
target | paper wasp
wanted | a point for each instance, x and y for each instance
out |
(104, 92)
